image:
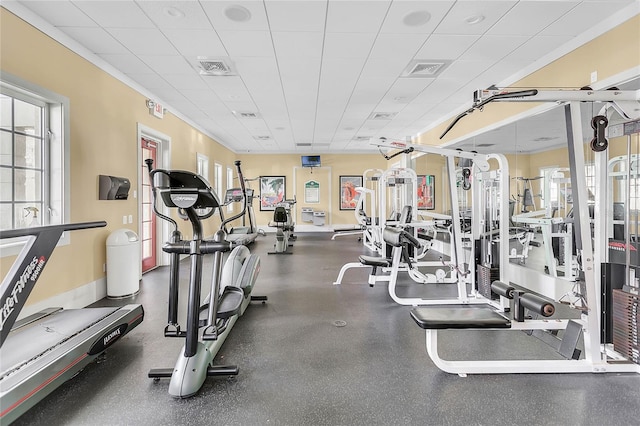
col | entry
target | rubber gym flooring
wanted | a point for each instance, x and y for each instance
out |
(319, 354)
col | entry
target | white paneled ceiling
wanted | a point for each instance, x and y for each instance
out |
(323, 75)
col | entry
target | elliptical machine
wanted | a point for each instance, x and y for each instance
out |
(231, 285)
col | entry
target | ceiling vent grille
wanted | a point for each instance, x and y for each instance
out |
(362, 138)
(214, 66)
(246, 114)
(382, 116)
(263, 137)
(425, 68)
(303, 144)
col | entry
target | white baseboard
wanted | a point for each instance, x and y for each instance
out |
(77, 298)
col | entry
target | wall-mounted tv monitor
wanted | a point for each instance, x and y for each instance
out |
(311, 161)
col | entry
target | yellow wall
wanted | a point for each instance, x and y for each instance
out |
(103, 140)
(616, 51)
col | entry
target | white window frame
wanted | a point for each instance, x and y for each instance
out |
(56, 189)
(229, 186)
(217, 179)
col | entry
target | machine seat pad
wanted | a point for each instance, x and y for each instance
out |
(374, 261)
(458, 317)
(230, 302)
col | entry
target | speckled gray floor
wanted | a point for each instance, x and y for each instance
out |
(298, 368)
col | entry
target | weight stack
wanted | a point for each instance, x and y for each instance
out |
(486, 276)
(626, 324)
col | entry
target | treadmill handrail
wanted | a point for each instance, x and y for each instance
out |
(26, 269)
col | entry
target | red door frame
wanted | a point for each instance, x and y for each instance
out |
(148, 222)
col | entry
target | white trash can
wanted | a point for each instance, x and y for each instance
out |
(123, 264)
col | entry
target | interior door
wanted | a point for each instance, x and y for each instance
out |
(148, 224)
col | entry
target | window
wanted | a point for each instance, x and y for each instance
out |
(217, 170)
(229, 186)
(33, 156)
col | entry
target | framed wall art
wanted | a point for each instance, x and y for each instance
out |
(272, 191)
(348, 194)
(426, 192)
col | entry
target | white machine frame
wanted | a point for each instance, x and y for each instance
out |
(598, 357)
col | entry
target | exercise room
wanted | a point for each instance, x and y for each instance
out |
(319, 212)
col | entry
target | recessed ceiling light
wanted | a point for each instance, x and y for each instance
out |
(237, 13)
(417, 18)
(474, 19)
(173, 12)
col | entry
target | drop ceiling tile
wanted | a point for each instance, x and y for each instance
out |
(491, 11)
(582, 18)
(116, 14)
(296, 15)
(183, 82)
(60, 13)
(347, 16)
(446, 46)
(298, 44)
(530, 17)
(247, 43)
(347, 45)
(539, 46)
(143, 41)
(438, 91)
(464, 71)
(96, 40)
(404, 90)
(193, 43)
(169, 95)
(228, 89)
(403, 13)
(149, 80)
(172, 14)
(128, 64)
(493, 47)
(217, 12)
(168, 64)
(397, 47)
(197, 95)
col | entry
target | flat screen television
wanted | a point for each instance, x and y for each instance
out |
(311, 161)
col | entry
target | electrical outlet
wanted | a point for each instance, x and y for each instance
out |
(130, 218)
(594, 76)
(124, 220)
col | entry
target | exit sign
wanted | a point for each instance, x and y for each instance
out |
(157, 110)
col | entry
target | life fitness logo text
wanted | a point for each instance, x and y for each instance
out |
(31, 273)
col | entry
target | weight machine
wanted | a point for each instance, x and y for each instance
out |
(599, 356)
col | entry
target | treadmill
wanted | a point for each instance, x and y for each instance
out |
(244, 235)
(41, 352)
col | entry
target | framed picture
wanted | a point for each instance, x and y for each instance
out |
(426, 192)
(348, 194)
(271, 191)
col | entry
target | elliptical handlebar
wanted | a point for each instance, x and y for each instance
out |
(152, 173)
(243, 188)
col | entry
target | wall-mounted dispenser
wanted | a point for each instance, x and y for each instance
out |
(113, 188)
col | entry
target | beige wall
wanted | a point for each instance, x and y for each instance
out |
(614, 52)
(103, 140)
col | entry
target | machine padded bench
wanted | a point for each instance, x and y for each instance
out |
(459, 317)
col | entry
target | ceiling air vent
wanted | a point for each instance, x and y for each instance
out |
(425, 68)
(262, 137)
(303, 144)
(382, 116)
(246, 114)
(214, 66)
(362, 138)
